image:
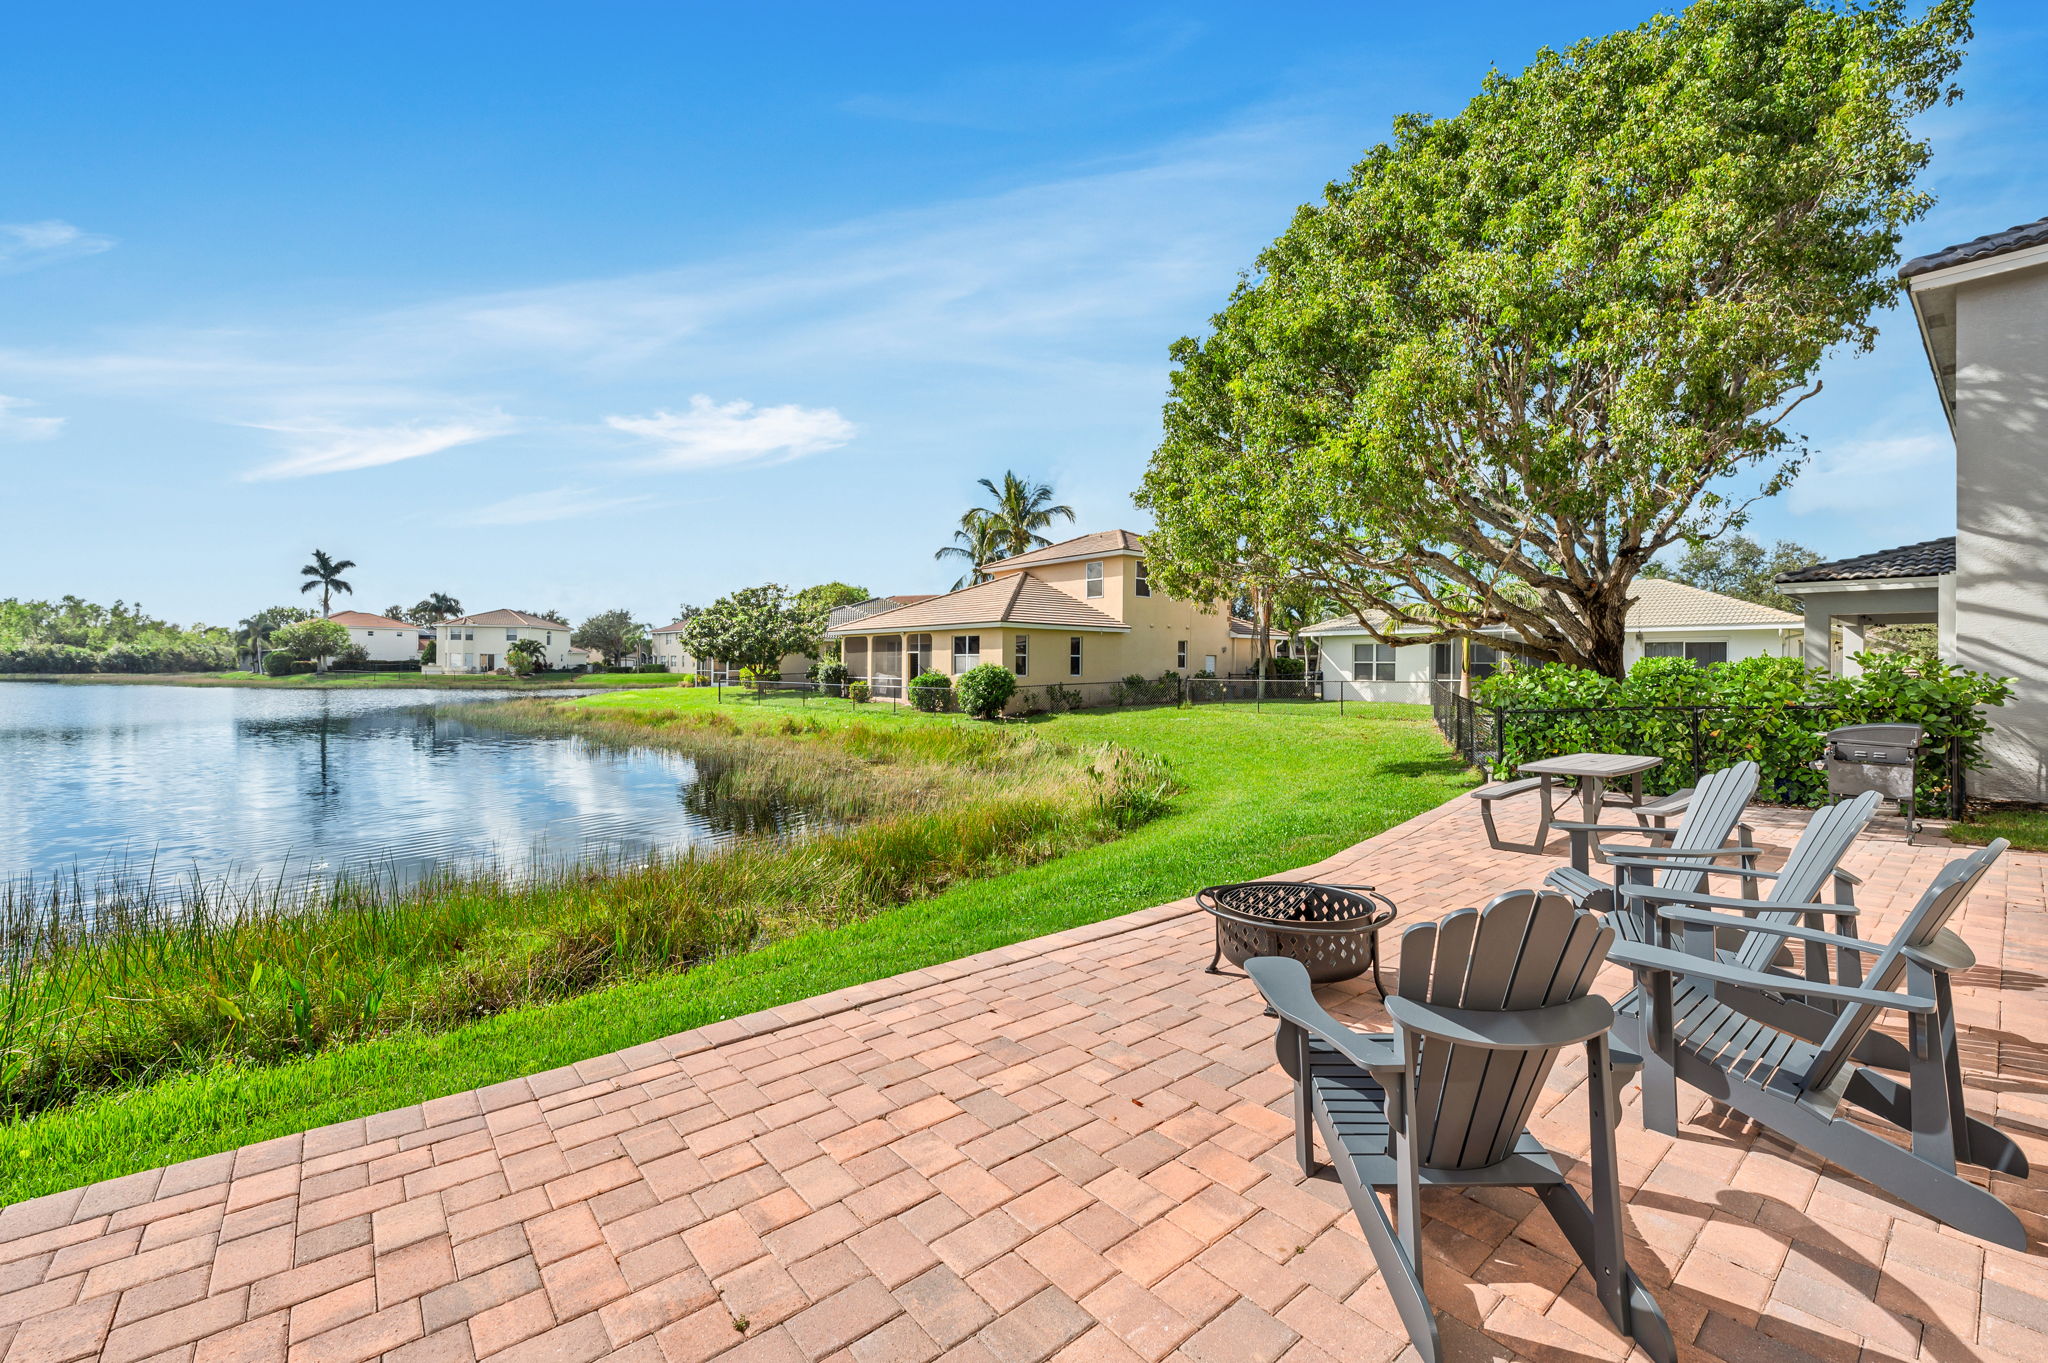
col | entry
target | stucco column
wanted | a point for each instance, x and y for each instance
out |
(1945, 617)
(1814, 642)
(1852, 643)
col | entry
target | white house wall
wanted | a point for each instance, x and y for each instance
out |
(1412, 674)
(386, 645)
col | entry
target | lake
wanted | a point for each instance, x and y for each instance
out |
(245, 783)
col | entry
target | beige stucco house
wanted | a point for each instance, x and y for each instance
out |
(1667, 620)
(477, 643)
(384, 639)
(1074, 613)
(1982, 307)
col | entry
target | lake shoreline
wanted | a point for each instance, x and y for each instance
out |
(352, 681)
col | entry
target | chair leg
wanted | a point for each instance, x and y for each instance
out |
(1659, 1051)
(1642, 1320)
(1304, 1116)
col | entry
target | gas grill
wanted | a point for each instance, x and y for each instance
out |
(1879, 757)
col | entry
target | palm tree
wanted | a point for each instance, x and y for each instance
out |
(978, 541)
(1020, 511)
(324, 574)
(436, 608)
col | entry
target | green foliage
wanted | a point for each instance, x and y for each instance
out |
(1516, 353)
(323, 575)
(431, 651)
(438, 607)
(74, 635)
(526, 656)
(1772, 711)
(858, 692)
(279, 663)
(1736, 565)
(609, 634)
(833, 677)
(985, 689)
(756, 627)
(1287, 669)
(315, 638)
(350, 655)
(931, 692)
(827, 597)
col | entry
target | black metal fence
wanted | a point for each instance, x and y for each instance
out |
(1054, 697)
(1785, 741)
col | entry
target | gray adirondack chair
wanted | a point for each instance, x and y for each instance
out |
(1689, 849)
(1488, 1000)
(1803, 1082)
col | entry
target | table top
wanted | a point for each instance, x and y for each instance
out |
(1598, 764)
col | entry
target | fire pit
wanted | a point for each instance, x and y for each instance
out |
(1333, 930)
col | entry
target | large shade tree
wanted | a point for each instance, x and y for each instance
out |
(1520, 351)
(756, 627)
(610, 634)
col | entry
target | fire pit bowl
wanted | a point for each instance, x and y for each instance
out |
(1333, 930)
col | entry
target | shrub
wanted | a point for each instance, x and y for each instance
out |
(931, 691)
(1773, 711)
(48, 658)
(1284, 669)
(986, 689)
(352, 656)
(858, 693)
(833, 676)
(652, 667)
(278, 663)
(430, 652)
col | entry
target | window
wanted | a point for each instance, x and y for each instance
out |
(1180, 655)
(917, 655)
(1023, 667)
(1093, 572)
(966, 652)
(1143, 583)
(511, 636)
(1702, 655)
(1485, 661)
(1074, 656)
(1443, 661)
(1209, 663)
(1372, 662)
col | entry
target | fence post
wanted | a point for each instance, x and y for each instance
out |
(1698, 760)
(1958, 797)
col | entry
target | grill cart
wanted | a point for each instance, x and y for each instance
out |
(1878, 757)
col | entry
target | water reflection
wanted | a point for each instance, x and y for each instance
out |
(271, 783)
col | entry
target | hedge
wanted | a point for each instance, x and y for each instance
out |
(185, 657)
(1773, 711)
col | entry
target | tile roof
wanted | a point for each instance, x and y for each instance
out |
(1991, 244)
(912, 598)
(1659, 604)
(508, 618)
(365, 620)
(1928, 558)
(1015, 599)
(1081, 546)
(861, 610)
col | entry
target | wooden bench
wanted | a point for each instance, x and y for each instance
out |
(1502, 790)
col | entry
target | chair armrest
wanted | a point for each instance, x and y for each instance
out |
(1706, 918)
(1633, 830)
(1947, 953)
(1848, 877)
(1285, 984)
(1659, 961)
(1720, 901)
(1559, 1024)
(1662, 856)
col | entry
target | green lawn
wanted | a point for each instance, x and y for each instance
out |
(2026, 827)
(1263, 793)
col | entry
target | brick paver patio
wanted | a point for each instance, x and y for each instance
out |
(1071, 1148)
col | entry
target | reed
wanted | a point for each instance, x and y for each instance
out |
(121, 978)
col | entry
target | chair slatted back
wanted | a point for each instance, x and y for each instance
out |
(1709, 821)
(1823, 843)
(1951, 886)
(1521, 951)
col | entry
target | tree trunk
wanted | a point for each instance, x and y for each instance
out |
(1607, 617)
(1265, 659)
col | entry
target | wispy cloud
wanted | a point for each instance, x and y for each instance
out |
(325, 448)
(556, 504)
(1865, 475)
(16, 426)
(26, 245)
(723, 434)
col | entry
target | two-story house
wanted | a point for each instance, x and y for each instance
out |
(1072, 613)
(478, 643)
(382, 638)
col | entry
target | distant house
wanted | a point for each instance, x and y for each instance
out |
(1668, 620)
(477, 643)
(1982, 306)
(1080, 611)
(385, 640)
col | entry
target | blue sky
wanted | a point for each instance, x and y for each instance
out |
(575, 306)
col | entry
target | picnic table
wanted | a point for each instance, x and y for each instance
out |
(1592, 770)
